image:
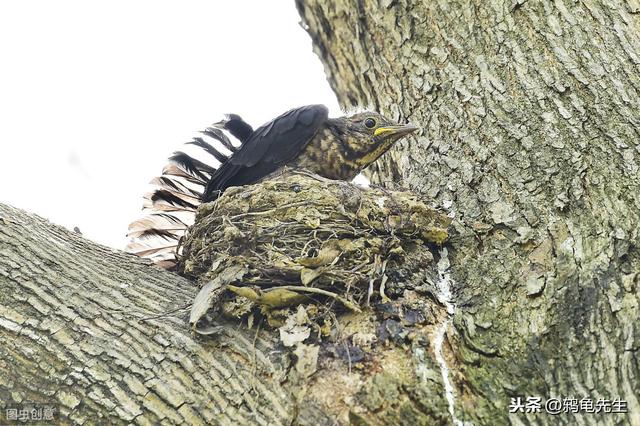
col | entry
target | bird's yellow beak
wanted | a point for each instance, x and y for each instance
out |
(399, 130)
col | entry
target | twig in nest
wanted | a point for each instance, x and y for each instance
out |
(314, 290)
(270, 211)
(373, 278)
(383, 281)
(304, 172)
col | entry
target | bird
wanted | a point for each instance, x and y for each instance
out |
(303, 138)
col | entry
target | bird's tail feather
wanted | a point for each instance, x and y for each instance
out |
(169, 209)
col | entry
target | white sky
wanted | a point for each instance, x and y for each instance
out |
(94, 96)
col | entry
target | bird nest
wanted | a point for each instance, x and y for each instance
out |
(300, 239)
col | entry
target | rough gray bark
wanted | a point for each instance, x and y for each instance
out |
(104, 335)
(530, 113)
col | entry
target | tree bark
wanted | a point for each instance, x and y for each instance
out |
(530, 114)
(104, 337)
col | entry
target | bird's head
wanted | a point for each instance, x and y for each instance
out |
(368, 135)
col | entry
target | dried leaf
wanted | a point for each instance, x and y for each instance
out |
(209, 330)
(207, 295)
(278, 298)
(301, 315)
(211, 292)
(307, 276)
(245, 292)
(325, 256)
(292, 333)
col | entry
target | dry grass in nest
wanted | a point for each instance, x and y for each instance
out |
(301, 239)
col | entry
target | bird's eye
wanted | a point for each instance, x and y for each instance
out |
(370, 123)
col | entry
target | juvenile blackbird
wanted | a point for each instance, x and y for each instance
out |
(302, 138)
(306, 138)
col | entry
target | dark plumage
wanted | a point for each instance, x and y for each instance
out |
(305, 138)
(267, 148)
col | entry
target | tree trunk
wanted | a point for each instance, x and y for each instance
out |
(102, 337)
(530, 114)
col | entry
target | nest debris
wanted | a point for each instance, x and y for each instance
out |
(302, 240)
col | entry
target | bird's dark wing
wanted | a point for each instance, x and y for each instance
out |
(268, 147)
(238, 127)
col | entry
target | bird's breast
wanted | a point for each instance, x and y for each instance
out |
(325, 156)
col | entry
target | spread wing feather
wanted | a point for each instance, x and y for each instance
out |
(268, 148)
(157, 223)
(237, 127)
(170, 207)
